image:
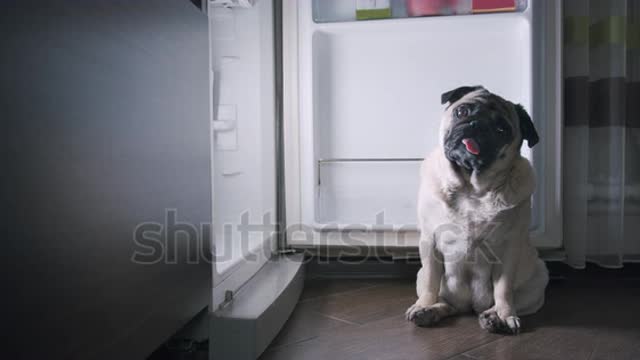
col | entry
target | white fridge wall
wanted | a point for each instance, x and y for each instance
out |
(376, 86)
(243, 148)
(371, 89)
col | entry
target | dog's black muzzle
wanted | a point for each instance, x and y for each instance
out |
(474, 144)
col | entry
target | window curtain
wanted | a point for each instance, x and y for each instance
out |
(602, 132)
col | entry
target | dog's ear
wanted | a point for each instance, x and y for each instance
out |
(527, 129)
(457, 94)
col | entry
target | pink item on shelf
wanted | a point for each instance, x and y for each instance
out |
(429, 7)
(493, 5)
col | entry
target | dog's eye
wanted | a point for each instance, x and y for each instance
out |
(502, 126)
(461, 111)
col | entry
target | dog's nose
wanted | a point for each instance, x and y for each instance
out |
(473, 124)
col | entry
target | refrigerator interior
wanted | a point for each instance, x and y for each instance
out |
(366, 98)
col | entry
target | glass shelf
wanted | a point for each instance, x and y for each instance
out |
(326, 11)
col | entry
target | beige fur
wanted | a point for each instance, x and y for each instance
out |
(474, 247)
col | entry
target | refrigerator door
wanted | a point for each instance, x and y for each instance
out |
(255, 288)
(243, 142)
(363, 108)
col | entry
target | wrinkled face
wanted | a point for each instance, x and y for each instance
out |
(482, 129)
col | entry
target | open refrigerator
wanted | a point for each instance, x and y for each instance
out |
(320, 121)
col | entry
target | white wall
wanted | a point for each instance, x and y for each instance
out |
(104, 114)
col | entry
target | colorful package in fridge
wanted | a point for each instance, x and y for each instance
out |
(373, 9)
(480, 6)
(430, 7)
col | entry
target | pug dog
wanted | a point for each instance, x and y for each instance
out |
(474, 208)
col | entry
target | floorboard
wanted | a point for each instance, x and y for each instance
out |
(363, 319)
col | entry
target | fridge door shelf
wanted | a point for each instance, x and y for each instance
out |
(329, 11)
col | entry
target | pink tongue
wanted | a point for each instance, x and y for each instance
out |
(472, 146)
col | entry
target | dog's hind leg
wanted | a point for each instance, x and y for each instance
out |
(530, 297)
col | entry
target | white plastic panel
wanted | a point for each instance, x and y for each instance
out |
(377, 86)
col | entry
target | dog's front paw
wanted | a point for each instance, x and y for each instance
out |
(423, 316)
(490, 321)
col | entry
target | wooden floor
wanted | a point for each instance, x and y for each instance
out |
(364, 319)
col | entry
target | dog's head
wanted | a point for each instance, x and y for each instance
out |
(481, 130)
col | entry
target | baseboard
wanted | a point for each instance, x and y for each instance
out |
(389, 267)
